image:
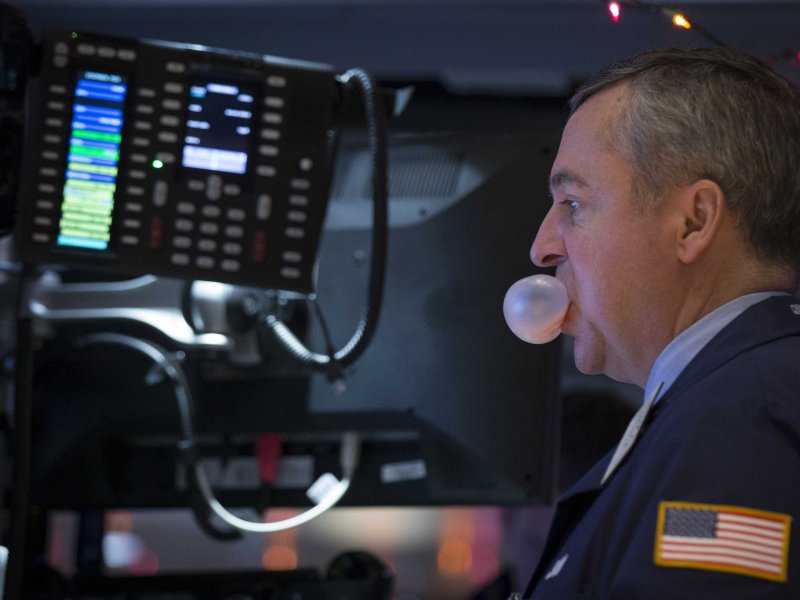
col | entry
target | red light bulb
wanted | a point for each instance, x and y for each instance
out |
(613, 8)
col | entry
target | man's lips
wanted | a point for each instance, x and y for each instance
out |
(569, 318)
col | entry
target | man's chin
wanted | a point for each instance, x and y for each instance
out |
(588, 370)
(586, 361)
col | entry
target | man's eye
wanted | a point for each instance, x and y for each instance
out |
(572, 205)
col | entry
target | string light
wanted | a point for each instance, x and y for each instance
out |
(678, 18)
(680, 21)
(613, 8)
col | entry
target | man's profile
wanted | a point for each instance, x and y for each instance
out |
(675, 227)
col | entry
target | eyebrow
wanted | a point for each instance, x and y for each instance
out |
(560, 178)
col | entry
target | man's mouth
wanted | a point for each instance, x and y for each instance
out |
(568, 319)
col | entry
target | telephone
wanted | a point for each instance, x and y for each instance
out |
(176, 160)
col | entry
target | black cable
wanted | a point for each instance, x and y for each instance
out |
(376, 129)
(323, 323)
(22, 461)
(352, 350)
(21, 445)
(335, 370)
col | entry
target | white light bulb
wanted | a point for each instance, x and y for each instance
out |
(535, 307)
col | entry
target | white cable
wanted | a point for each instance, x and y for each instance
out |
(328, 501)
(349, 459)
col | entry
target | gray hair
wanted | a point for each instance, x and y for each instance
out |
(713, 114)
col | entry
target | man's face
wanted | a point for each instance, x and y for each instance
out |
(613, 256)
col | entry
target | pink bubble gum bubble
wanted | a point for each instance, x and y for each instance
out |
(535, 307)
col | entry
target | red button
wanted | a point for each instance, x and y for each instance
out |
(260, 246)
(156, 232)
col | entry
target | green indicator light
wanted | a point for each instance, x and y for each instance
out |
(74, 36)
(157, 164)
(105, 153)
(96, 135)
(96, 169)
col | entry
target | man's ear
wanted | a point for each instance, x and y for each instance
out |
(702, 206)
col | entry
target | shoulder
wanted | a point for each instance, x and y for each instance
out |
(728, 443)
(733, 434)
(756, 384)
(751, 366)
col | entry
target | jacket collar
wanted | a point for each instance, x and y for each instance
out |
(774, 318)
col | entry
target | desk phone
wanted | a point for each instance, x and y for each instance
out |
(176, 160)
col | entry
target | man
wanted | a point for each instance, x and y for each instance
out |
(675, 227)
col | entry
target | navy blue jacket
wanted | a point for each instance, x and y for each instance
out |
(726, 433)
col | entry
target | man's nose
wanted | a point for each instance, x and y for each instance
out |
(548, 248)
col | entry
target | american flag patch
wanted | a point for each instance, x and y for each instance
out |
(723, 538)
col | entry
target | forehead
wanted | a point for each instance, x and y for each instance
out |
(587, 154)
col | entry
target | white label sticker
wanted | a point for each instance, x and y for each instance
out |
(321, 487)
(403, 471)
(294, 472)
(241, 473)
(238, 473)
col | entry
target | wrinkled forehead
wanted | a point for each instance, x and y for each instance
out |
(594, 129)
(605, 113)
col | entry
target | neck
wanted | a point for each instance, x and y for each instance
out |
(710, 290)
(698, 292)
